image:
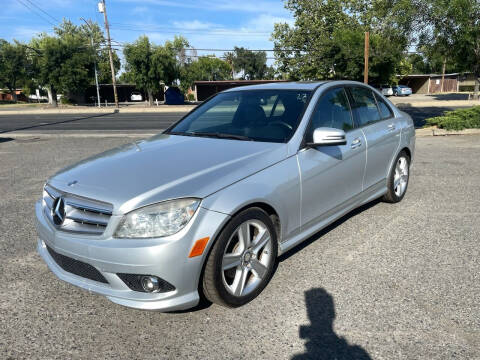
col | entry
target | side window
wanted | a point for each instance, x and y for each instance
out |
(364, 106)
(385, 111)
(333, 111)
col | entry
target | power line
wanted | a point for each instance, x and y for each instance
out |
(36, 13)
(43, 11)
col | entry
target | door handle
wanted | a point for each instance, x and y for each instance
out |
(356, 143)
(391, 127)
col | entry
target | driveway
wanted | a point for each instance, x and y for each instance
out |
(385, 282)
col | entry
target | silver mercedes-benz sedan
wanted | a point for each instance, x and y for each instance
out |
(206, 207)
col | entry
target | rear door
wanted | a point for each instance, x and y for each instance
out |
(377, 121)
(331, 176)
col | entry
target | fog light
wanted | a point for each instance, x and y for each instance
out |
(150, 284)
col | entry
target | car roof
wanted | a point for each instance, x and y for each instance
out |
(293, 85)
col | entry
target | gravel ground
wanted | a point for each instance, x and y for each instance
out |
(386, 282)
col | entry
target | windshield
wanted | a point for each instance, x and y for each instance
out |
(257, 115)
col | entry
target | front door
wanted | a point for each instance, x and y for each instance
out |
(331, 175)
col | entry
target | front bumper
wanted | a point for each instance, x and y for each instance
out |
(166, 258)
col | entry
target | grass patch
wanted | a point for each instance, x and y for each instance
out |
(457, 119)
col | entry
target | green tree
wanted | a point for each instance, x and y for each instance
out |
(327, 40)
(452, 29)
(64, 62)
(13, 66)
(149, 65)
(206, 68)
(94, 34)
(103, 66)
(251, 65)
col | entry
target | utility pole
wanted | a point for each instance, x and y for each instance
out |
(94, 61)
(443, 74)
(103, 9)
(367, 48)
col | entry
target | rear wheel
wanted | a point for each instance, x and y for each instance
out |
(241, 262)
(398, 179)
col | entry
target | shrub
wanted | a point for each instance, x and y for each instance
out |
(457, 119)
(190, 97)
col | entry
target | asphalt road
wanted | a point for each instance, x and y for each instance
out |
(385, 282)
(132, 121)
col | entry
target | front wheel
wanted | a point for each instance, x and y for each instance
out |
(242, 259)
(397, 181)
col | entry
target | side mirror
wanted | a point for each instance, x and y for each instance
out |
(328, 137)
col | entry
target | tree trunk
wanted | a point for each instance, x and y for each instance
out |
(52, 96)
(150, 97)
(14, 95)
(477, 86)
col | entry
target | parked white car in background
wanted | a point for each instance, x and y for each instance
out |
(136, 96)
(386, 90)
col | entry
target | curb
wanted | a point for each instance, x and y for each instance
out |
(441, 104)
(159, 109)
(433, 131)
(81, 134)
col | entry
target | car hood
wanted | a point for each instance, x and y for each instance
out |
(166, 167)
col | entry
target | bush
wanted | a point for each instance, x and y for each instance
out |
(191, 97)
(457, 119)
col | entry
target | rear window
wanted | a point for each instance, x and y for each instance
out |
(385, 111)
(364, 106)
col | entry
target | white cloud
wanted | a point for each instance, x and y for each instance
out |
(25, 33)
(194, 25)
(140, 10)
(265, 22)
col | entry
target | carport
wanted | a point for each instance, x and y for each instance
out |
(431, 83)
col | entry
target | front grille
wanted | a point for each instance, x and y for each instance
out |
(80, 215)
(76, 267)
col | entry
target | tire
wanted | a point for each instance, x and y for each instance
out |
(232, 261)
(397, 182)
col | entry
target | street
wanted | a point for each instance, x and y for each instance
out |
(384, 282)
(136, 121)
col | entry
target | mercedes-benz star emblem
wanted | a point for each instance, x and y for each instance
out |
(58, 211)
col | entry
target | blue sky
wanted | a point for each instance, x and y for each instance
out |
(206, 24)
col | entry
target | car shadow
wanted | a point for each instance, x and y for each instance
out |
(327, 229)
(55, 123)
(450, 96)
(322, 342)
(5, 139)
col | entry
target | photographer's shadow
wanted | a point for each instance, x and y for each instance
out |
(322, 342)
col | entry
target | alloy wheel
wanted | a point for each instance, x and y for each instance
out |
(247, 258)
(400, 179)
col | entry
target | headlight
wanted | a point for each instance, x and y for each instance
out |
(162, 219)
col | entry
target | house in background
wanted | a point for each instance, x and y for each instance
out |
(6, 96)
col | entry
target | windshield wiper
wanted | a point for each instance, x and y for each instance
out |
(217, 135)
